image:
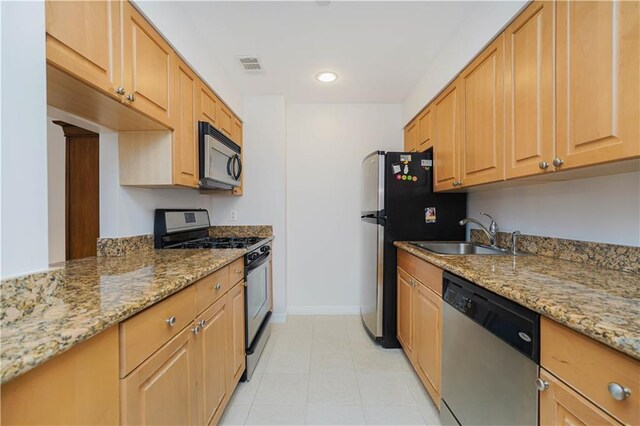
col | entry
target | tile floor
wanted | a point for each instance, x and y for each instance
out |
(325, 370)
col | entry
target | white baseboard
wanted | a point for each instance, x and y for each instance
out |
(323, 310)
(278, 318)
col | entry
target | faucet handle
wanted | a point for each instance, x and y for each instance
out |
(493, 227)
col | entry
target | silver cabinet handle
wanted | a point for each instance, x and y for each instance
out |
(543, 165)
(541, 385)
(196, 330)
(618, 392)
(120, 90)
(131, 97)
(238, 271)
(202, 323)
(558, 162)
(171, 321)
(217, 286)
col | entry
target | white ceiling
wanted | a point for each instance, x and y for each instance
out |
(380, 49)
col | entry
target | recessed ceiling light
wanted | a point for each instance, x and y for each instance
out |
(326, 76)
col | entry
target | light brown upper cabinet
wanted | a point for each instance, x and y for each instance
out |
(83, 38)
(529, 100)
(236, 131)
(185, 135)
(446, 110)
(148, 65)
(597, 82)
(411, 137)
(425, 130)
(482, 130)
(207, 104)
(225, 119)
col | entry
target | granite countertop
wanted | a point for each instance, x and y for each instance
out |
(601, 303)
(44, 314)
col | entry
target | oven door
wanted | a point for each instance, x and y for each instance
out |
(258, 284)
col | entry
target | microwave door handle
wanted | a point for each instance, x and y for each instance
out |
(239, 162)
(229, 166)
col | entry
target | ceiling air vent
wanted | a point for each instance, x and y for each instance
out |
(250, 63)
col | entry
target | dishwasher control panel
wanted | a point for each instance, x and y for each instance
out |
(458, 300)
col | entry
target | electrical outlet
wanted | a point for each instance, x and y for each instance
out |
(233, 215)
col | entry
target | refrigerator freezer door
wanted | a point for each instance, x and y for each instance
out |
(373, 183)
(372, 276)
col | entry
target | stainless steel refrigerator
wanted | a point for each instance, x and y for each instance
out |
(398, 204)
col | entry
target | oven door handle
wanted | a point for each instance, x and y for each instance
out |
(261, 260)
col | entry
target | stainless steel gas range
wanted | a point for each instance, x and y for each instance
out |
(189, 229)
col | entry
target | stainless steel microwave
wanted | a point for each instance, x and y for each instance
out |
(220, 162)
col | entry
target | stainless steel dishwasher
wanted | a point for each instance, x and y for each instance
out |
(490, 357)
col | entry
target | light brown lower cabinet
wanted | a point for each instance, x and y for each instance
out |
(420, 319)
(212, 362)
(192, 377)
(162, 390)
(428, 342)
(561, 405)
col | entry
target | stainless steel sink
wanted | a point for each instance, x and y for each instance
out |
(458, 248)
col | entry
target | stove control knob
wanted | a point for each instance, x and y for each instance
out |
(253, 256)
(264, 249)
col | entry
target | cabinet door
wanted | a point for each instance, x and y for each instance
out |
(410, 137)
(162, 390)
(482, 135)
(561, 405)
(225, 119)
(185, 137)
(529, 132)
(446, 144)
(428, 342)
(236, 131)
(405, 315)
(83, 38)
(212, 361)
(597, 83)
(207, 105)
(425, 139)
(148, 67)
(236, 339)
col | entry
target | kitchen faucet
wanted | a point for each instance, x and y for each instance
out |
(490, 233)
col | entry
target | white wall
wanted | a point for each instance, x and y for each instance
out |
(24, 149)
(197, 49)
(469, 38)
(325, 147)
(126, 211)
(56, 185)
(264, 198)
(602, 209)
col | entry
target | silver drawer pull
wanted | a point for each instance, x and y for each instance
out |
(202, 323)
(541, 385)
(196, 330)
(171, 321)
(619, 392)
(238, 271)
(217, 287)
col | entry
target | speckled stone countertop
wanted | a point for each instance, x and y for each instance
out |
(44, 314)
(601, 303)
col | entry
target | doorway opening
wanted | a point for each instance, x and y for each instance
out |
(82, 191)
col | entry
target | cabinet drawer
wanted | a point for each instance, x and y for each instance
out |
(211, 288)
(145, 332)
(589, 367)
(236, 271)
(425, 272)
